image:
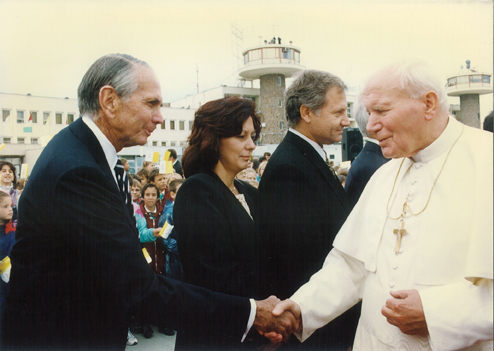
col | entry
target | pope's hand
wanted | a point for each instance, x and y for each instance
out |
(284, 309)
(406, 312)
(276, 325)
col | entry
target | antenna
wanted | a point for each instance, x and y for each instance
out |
(238, 35)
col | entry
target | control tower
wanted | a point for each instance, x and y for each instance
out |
(271, 63)
(469, 85)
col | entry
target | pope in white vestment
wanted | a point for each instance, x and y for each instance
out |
(446, 253)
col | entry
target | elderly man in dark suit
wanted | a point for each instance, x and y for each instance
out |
(302, 203)
(77, 266)
(368, 160)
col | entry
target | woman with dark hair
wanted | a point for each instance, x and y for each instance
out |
(8, 183)
(215, 214)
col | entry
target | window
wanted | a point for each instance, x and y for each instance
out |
(463, 80)
(451, 82)
(46, 117)
(20, 140)
(349, 109)
(34, 141)
(181, 125)
(190, 125)
(475, 79)
(182, 143)
(281, 125)
(173, 143)
(155, 143)
(486, 79)
(34, 116)
(5, 114)
(163, 125)
(6, 140)
(280, 103)
(279, 81)
(287, 54)
(163, 143)
(172, 125)
(20, 116)
(246, 58)
(58, 118)
(70, 118)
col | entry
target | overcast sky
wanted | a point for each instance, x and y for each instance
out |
(47, 46)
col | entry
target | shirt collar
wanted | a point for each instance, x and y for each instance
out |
(108, 148)
(315, 145)
(442, 143)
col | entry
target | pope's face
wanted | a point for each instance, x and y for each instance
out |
(395, 121)
(138, 115)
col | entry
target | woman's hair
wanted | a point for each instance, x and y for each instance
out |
(136, 183)
(215, 120)
(12, 168)
(147, 186)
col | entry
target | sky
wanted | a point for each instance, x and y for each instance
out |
(46, 46)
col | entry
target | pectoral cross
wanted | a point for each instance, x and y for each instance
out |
(399, 233)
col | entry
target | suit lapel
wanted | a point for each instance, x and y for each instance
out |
(82, 131)
(313, 156)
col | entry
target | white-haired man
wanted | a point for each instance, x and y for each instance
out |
(417, 248)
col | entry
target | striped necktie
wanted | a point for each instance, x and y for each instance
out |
(122, 181)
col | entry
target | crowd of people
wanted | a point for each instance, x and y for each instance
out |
(233, 252)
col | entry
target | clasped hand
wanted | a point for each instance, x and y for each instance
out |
(277, 320)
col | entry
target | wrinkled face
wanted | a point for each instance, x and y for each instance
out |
(396, 121)
(236, 151)
(6, 211)
(160, 181)
(138, 115)
(150, 198)
(135, 192)
(7, 175)
(326, 127)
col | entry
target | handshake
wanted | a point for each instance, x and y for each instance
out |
(276, 319)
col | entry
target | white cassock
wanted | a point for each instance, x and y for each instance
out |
(447, 253)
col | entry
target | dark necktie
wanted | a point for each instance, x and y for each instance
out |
(122, 181)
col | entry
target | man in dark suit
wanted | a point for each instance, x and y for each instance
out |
(302, 203)
(77, 266)
(367, 162)
(177, 166)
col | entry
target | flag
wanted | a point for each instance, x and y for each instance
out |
(30, 118)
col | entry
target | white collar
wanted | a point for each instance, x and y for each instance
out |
(442, 143)
(375, 141)
(315, 145)
(108, 148)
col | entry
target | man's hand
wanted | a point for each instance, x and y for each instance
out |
(406, 312)
(276, 327)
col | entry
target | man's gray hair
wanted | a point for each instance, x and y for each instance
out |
(361, 116)
(309, 89)
(414, 79)
(116, 70)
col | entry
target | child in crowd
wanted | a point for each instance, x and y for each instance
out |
(143, 174)
(173, 268)
(7, 239)
(135, 193)
(8, 183)
(169, 178)
(155, 177)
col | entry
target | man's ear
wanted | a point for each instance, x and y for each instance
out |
(431, 102)
(108, 100)
(306, 113)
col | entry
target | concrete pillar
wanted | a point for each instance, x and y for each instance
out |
(272, 107)
(470, 110)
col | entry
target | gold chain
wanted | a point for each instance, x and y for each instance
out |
(406, 205)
